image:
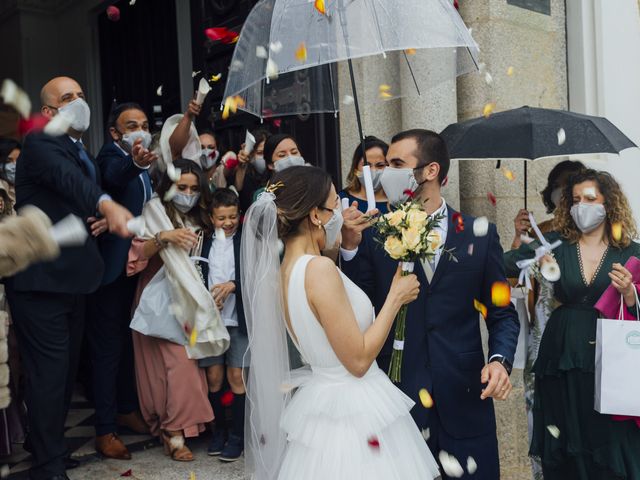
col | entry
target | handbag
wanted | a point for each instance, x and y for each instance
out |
(617, 363)
(153, 316)
(607, 304)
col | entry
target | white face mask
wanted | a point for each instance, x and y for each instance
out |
(130, 138)
(78, 114)
(10, 172)
(184, 202)
(287, 162)
(209, 157)
(332, 229)
(556, 196)
(376, 176)
(588, 216)
(259, 164)
(396, 181)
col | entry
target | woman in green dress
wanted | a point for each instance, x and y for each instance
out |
(571, 438)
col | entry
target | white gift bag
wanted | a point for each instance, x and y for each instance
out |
(153, 315)
(617, 391)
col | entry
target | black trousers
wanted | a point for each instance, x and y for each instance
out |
(109, 335)
(49, 328)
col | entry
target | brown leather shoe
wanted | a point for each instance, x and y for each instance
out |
(111, 446)
(133, 421)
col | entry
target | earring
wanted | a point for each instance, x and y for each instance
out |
(319, 224)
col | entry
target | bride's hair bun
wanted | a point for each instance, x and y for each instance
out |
(298, 190)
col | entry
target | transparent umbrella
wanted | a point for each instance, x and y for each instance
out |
(284, 61)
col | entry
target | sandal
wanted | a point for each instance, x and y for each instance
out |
(175, 447)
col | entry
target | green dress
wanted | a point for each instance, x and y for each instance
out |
(590, 445)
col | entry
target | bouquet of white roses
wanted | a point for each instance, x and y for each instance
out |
(408, 235)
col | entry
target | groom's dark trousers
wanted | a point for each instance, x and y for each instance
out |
(443, 347)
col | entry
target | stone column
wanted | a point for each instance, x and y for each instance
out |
(534, 45)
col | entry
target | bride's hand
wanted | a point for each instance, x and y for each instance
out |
(404, 289)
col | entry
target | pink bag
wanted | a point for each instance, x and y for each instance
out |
(609, 306)
(609, 302)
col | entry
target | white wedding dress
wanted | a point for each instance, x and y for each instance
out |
(339, 426)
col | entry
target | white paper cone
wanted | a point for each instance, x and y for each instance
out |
(13, 95)
(249, 142)
(69, 232)
(345, 203)
(203, 90)
(173, 173)
(136, 226)
(368, 187)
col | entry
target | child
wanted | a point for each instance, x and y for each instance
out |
(224, 283)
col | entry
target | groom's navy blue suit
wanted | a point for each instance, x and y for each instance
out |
(443, 347)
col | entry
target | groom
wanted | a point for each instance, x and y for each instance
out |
(443, 348)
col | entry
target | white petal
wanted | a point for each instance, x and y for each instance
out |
(173, 173)
(554, 431)
(480, 226)
(159, 91)
(347, 100)
(58, 125)
(450, 465)
(562, 136)
(132, 2)
(13, 95)
(194, 73)
(276, 47)
(261, 52)
(488, 78)
(426, 434)
(272, 69)
(5, 471)
(220, 235)
(173, 190)
(472, 466)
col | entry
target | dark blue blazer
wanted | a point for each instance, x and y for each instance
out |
(51, 176)
(121, 179)
(443, 349)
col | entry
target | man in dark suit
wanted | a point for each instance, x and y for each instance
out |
(443, 347)
(58, 175)
(124, 164)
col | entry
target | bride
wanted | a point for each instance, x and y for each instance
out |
(342, 418)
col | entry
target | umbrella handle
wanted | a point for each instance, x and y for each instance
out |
(368, 188)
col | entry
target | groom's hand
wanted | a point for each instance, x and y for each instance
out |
(355, 222)
(499, 385)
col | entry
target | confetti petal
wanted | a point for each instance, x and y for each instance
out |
(194, 74)
(230, 160)
(492, 198)
(301, 53)
(480, 226)
(227, 398)
(5, 471)
(35, 123)
(500, 294)
(192, 476)
(458, 221)
(13, 95)
(509, 175)
(470, 249)
(159, 91)
(488, 78)
(479, 306)
(193, 338)
(384, 92)
(261, 52)
(215, 78)
(347, 100)
(488, 109)
(216, 34)
(320, 7)
(554, 431)
(450, 465)
(176, 442)
(172, 192)
(128, 473)
(58, 125)
(374, 443)
(132, 2)
(410, 51)
(472, 466)
(426, 434)
(562, 136)
(176, 310)
(276, 47)
(510, 71)
(272, 70)
(113, 13)
(616, 231)
(425, 398)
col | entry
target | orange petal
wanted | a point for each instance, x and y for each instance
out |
(479, 306)
(425, 398)
(500, 294)
(301, 53)
(215, 78)
(193, 337)
(616, 231)
(508, 174)
(510, 71)
(488, 109)
(320, 7)
(410, 51)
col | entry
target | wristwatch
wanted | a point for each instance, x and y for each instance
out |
(505, 363)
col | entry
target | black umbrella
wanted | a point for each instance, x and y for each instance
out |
(533, 133)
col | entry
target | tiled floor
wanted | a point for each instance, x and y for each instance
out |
(80, 437)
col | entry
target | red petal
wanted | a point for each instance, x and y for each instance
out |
(113, 13)
(128, 473)
(227, 398)
(277, 123)
(492, 198)
(215, 34)
(457, 219)
(232, 163)
(455, 4)
(409, 193)
(35, 123)
(374, 442)
(230, 37)
(445, 181)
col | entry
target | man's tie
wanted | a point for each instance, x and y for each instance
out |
(429, 267)
(86, 160)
